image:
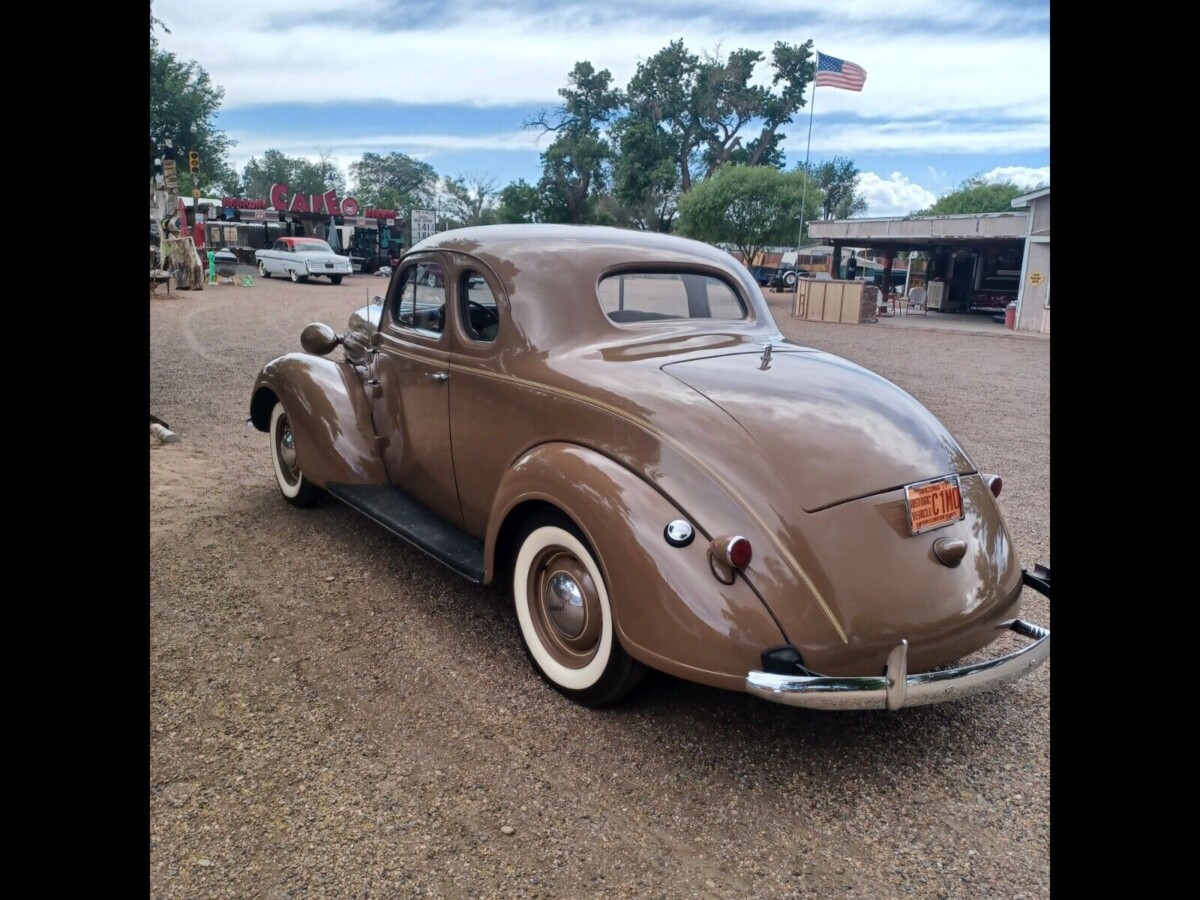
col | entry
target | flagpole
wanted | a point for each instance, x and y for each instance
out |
(804, 191)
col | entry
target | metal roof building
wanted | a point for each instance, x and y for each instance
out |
(984, 261)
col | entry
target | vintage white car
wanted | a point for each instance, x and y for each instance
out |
(301, 258)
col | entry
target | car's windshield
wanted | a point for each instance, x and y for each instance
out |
(313, 246)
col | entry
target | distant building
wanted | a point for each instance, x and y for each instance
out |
(1033, 300)
(972, 263)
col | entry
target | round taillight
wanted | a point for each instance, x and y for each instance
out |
(739, 553)
(995, 484)
(727, 554)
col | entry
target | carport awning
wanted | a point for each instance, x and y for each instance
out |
(924, 230)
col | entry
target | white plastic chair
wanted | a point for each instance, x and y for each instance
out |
(916, 301)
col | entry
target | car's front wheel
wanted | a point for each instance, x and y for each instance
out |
(262, 269)
(296, 489)
(565, 618)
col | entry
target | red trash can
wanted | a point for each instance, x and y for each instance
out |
(1010, 315)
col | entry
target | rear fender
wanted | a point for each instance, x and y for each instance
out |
(330, 416)
(670, 612)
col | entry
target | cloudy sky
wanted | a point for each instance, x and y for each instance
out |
(954, 89)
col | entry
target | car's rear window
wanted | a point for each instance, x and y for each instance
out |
(658, 296)
(312, 244)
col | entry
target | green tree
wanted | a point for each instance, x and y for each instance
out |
(574, 166)
(645, 174)
(665, 92)
(394, 181)
(735, 104)
(750, 207)
(573, 175)
(183, 102)
(317, 177)
(273, 168)
(838, 180)
(975, 195)
(471, 199)
(519, 202)
(302, 176)
(708, 106)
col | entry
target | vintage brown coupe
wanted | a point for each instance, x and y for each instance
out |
(612, 422)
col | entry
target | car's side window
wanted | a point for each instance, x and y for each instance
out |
(652, 296)
(480, 313)
(420, 301)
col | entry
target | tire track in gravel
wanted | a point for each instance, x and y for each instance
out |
(193, 342)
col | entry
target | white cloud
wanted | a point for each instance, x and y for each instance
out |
(1021, 176)
(520, 54)
(897, 195)
(343, 152)
(851, 138)
(894, 196)
(944, 76)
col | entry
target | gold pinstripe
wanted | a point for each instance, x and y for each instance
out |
(662, 435)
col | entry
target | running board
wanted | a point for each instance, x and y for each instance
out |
(409, 520)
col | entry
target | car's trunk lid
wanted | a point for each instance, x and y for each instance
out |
(832, 430)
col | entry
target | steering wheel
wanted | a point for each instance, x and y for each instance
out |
(492, 316)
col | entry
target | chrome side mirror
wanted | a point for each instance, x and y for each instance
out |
(319, 339)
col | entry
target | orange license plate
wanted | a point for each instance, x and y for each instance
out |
(933, 504)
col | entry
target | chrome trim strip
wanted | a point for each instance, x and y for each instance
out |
(897, 689)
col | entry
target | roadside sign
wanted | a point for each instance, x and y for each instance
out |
(424, 224)
(1035, 278)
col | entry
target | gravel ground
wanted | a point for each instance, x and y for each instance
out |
(335, 715)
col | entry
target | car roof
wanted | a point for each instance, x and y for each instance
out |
(598, 244)
(550, 272)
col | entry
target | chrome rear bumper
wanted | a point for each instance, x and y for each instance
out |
(897, 688)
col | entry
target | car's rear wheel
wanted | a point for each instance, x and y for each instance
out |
(262, 269)
(296, 489)
(336, 279)
(565, 618)
(297, 278)
(789, 280)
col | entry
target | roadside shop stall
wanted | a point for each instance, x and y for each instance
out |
(967, 263)
(370, 237)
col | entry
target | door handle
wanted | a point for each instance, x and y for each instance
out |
(439, 376)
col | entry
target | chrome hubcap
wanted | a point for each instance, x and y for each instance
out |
(287, 449)
(564, 603)
(565, 607)
(285, 446)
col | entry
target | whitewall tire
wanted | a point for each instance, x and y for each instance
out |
(296, 489)
(565, 618)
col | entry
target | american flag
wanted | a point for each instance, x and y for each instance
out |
(838, 73)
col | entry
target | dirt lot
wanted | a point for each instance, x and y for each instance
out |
(334, 715)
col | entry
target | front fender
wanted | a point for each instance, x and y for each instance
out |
(670, 612)
(330, 416)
